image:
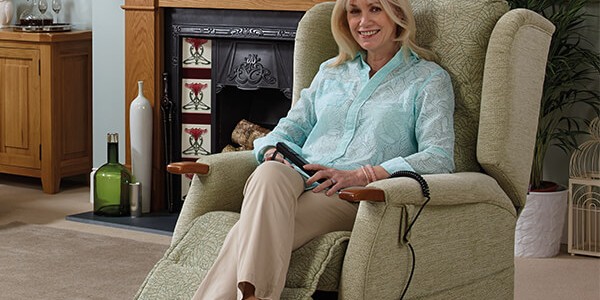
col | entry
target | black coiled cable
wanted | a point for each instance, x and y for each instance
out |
(425, 191)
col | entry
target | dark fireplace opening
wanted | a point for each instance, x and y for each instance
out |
(222, 67)
(262, 107)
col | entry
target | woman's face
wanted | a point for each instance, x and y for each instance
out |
(371, 27)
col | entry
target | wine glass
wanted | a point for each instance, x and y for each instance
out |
(56, 6)
(43, 6)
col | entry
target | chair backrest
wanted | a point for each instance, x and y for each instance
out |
(459, 32)
(314, 44)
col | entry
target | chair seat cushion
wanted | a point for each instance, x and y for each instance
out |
(186, 262)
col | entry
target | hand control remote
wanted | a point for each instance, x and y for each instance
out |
(295, 158)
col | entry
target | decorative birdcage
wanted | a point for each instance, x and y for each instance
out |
(584, 196)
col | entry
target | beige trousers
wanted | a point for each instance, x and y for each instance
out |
(277, 216)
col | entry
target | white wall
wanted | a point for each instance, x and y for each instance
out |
(109, 76)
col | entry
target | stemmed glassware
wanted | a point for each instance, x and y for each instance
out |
(56, 6)
(43, 7)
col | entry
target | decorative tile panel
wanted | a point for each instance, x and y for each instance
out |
(196, 96)
(196, 53)
(195, 140)
(196, 103)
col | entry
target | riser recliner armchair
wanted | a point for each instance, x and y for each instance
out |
(464, 237)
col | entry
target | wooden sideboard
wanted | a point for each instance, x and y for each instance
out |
(144, 61)
(46, 105)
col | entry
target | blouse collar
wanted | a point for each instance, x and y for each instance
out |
(397, 59)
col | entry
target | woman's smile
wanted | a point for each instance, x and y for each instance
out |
(368, 33)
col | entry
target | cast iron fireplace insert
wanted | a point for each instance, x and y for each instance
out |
(221, 66)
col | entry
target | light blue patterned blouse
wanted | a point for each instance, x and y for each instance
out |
(400, 119)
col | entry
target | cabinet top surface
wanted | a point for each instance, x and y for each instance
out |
(74, 35)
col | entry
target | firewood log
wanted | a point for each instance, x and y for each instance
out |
(246, 132)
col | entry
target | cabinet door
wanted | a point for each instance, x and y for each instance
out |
(20, 108)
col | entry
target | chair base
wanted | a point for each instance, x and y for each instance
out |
(186, 262)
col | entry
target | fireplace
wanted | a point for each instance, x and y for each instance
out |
(221, 66)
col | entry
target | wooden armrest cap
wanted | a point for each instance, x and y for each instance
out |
(187, 167)
(362, 194)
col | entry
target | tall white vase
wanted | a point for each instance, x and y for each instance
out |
(140, 130)
(6, 12)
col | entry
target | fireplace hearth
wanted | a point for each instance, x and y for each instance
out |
(222, 66)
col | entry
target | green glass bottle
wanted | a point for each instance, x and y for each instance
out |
(111, 190)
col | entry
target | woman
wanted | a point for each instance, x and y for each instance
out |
(378, 103)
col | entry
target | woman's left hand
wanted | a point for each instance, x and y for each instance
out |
(334, 179)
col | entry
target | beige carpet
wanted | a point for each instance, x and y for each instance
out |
(62, 273)
(41, 262)
(560, 277)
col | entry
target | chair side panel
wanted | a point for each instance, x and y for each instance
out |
(512, 89)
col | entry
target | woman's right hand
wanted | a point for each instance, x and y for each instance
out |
(269, 156)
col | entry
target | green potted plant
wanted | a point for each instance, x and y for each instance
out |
(572, 67)
(572, 73)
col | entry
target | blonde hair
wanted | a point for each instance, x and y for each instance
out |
(399, 11)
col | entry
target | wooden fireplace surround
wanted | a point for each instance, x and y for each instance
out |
(144, 61)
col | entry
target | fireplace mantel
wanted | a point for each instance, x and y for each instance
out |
(291, 5)
(144, 61)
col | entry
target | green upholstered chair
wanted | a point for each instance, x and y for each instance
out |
(464, 237)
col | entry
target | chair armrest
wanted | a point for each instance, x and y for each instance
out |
(463, 208)
(445, 189)
(218, 189)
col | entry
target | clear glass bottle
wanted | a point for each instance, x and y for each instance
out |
(111, 183)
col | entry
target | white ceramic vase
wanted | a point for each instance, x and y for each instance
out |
(6, 12)
(140, 130)
(540, 225)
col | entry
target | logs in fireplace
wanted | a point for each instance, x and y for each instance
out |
(222, 66)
